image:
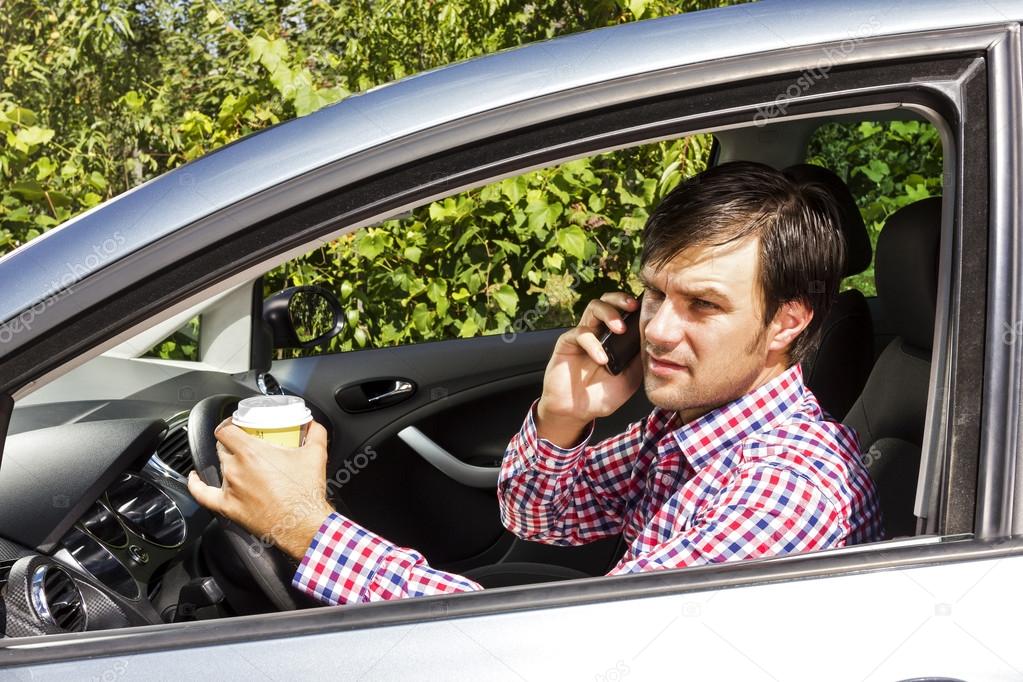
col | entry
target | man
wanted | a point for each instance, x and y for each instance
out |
(736, 461)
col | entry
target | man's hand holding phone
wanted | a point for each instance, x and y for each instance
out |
(577, 385)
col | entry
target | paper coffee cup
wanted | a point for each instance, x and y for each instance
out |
(279, 419)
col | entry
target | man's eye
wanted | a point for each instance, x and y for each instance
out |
(705, 305)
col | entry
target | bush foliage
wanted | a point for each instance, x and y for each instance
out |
(99, 96)
(523, 253)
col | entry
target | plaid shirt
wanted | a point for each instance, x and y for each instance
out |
(766, 474)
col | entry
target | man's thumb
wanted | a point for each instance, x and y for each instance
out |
(206, 495)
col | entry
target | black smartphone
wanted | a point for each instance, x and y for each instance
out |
(621, 348)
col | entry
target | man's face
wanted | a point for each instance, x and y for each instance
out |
(703, 339)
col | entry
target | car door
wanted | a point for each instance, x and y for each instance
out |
(921, 606)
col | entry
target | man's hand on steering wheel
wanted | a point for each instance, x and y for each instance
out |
(278, 494)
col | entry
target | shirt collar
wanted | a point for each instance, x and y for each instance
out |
(713, 434)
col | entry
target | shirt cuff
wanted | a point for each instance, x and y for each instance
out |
(341, 561)
(548, 457)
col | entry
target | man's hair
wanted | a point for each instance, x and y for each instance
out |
(802, 250)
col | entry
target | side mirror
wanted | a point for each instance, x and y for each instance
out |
(303, 317)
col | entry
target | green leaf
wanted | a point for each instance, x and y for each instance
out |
(97, 180)
(538, 223)
(507, 299)
(413, 253)
(32, 136)
(626, 197)
(69, 169)
(649, 190)
(572, 240)
(442, 211)
(133, 100)
(554, 261)
(20, 116)
(370, 245)
(30, 190)
(45, 167)
(467, 328)
(464, 239)
(554, 212)
(421, 316)
(307, 100)
(514, 188)
(508, 246)
(272, 54)
(638, 8)
(437, 290)
(876, 170)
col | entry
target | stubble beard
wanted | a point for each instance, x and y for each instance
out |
(697, 395)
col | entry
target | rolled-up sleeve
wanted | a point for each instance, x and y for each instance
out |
(347, 564)
(571, 496)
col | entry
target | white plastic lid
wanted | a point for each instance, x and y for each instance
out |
(272, 412)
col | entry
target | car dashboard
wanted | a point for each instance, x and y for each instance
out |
(97, 528)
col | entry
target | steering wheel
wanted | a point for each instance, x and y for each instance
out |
(269, 567)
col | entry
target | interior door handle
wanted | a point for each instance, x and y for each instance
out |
(400, 389)
(375, 394)
(466, 474)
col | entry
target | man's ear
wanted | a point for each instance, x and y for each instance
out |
(789, 322)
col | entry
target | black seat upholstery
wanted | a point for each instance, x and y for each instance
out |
(838, 370)
(521, 573)
(889, 414)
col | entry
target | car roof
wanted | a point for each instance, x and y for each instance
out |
(95, 239)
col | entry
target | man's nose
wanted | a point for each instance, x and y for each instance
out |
(666, 327)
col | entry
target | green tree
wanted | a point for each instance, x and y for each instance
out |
(99, 96)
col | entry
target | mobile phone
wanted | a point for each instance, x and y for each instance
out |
(621, 348)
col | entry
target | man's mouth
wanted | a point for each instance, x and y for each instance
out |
(663, 367)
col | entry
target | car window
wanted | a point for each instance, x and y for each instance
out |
(517, 255)
(182, 344)
(886, 164)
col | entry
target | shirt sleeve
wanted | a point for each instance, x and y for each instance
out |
(576, 495)
(764, 511)
(347, 564)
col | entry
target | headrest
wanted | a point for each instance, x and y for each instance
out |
(857, 241)
(906, 270)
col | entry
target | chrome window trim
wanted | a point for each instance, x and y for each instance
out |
(997, 514)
